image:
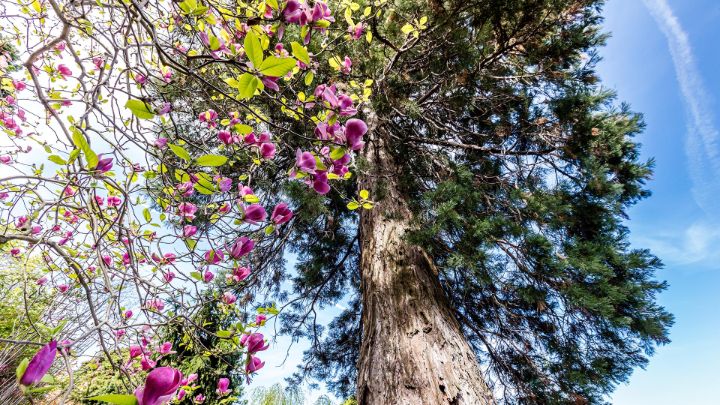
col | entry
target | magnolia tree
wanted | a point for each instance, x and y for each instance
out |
(451, 171)
(105, 176)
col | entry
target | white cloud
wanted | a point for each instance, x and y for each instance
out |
(695, 244)
(703, 138)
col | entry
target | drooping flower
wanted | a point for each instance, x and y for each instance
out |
(354, 131)
(281, 214)
(254, 364)
(39, 364)
(320, 183)
(223, 387)
(241, 247)
(160, 386)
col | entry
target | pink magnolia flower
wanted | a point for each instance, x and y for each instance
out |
(267, 151)
(208, 276)
(135, 351)
(5, 159)
(98, 62)
(160, 386)
(147, 363)
(39, 364)
(241, 247)
(214, 256)
(281, 214)
(199, 399)
(305, 161)
(354, 131)
(156, 304)
(160, 143)
(260, 319)
(181, 394)
(320, 183)
(63, 288)
(114, 201)
(226, 137)
(254, 365)
(224, 183)
(104, 164)
(254, 342)
(189, 230)
(187, 210)
(229, 298)
(169, 276)
(254, 213)
(128, 314)
(42, 280)
(222, 387)
(68, 191)
(64, 71)
(240, 273)
(165, 348)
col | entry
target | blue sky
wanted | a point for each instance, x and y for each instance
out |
(663, 59)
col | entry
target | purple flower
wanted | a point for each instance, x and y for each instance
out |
(199, 399)
(39, 364)
(160, 385)
(260, 319)
(104, 164)
(229, 298)
(254, 364)
(214, 256)
(222, 386)
(305, 161)
(161, 142)
(208, 276)
(255, 213)
(241, 247)
(281, 214)
(187, 210)
(224, 183)
(267, 150)
(189, 230)
(240, 273)
(354, 131)
(255, 342)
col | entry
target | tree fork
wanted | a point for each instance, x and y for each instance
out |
(413, 350)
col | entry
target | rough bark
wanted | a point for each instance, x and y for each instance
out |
(413, 350)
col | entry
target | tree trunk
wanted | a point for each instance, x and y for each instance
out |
(413, 351)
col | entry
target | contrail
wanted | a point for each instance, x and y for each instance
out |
(702, 141)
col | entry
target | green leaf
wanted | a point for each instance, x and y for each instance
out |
(211, 160)
(309, 76)
(223, 333)
(337, 153)
(364, 194)
(180, 152)
(190, 243)
(147, 215)
(251, 198)
(20, 370)
(139, 109)
(253, 49)
(247, 84)
(196, 275)
(57, 160)
(117, 399)
(353, 205)
(276, 67)
(300, 53)
(81, 143)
